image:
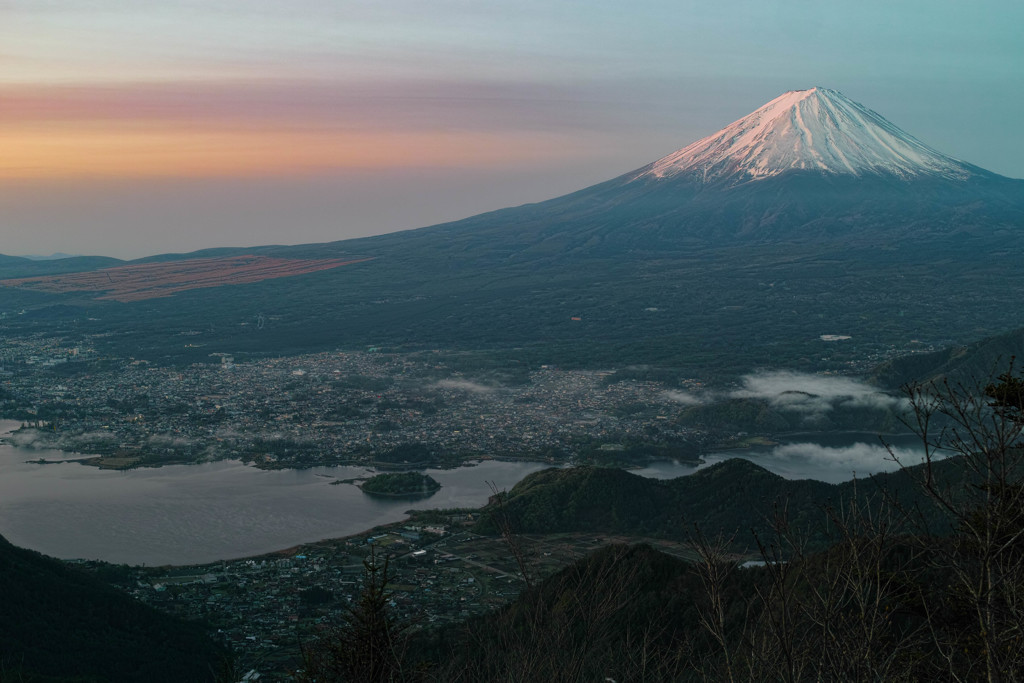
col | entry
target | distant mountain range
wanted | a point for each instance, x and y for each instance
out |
(52, 257)
(811, 216)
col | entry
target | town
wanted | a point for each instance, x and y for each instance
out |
(326, 408)
(265, 609)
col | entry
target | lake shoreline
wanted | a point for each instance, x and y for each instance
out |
(184, 515)
(194, 514)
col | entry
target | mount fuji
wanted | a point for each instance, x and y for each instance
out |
(811, 165)
(811, 232)
(817, 130)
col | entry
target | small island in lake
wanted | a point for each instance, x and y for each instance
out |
(400, 484)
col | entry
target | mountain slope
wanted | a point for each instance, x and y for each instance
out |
(966, 365)
(809, 165)
(812, 216)
(735, 499)
(61, 624)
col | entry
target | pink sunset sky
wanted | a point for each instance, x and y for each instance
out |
(134, 128)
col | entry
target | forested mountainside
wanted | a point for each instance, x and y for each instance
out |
(58, 623)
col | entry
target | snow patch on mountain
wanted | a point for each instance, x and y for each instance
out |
(807, 130)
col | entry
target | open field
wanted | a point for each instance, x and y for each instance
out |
(152, 280)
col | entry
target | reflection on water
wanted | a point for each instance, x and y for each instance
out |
(666, 469)
(200, 513)
(833, 458)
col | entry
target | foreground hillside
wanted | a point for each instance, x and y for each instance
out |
(923, 583)
(60, 624)
(862, 611)
(735, 499)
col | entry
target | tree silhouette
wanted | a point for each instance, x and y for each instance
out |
(367, 647)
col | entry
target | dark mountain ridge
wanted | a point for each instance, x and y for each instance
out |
(735, 499)
(958, 364)
(61, 624)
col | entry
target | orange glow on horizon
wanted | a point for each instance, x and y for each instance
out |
(90, 150)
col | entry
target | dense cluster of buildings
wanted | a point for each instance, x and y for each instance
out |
(321, 408)
(265, 607)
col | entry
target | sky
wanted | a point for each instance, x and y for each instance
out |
(134, 127)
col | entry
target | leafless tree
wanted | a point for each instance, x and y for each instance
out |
(369, 645)
(508, 531)
(972, 471)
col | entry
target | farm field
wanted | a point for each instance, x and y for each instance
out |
(152, 280)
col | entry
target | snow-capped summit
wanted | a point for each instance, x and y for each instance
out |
(810, 167)
(807, 130)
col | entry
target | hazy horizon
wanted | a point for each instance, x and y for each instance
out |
(133, 131)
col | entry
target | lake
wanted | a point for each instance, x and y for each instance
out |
(830, 457)
(188, 514)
